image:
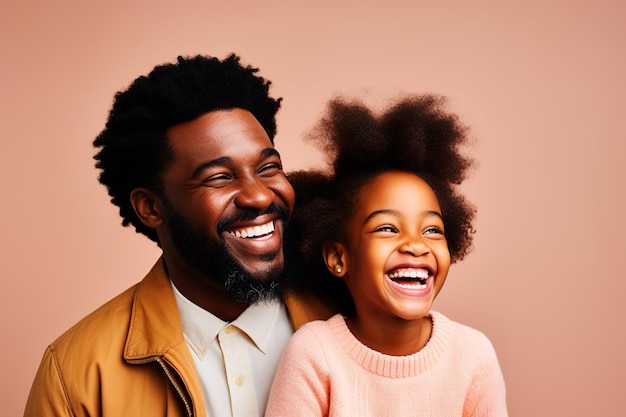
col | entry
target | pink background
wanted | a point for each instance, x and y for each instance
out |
(541, 83)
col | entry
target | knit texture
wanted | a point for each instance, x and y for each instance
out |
(326, 371)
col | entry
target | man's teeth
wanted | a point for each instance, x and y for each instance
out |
(255, 231)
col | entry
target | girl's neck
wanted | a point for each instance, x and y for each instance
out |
(395, 337)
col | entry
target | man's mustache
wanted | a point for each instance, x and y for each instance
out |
(251, 214)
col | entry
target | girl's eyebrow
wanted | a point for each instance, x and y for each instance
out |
(267, 152)
(396, 213)
(373, 214)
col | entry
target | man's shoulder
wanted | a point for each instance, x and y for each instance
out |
(111, 320)
(304, 307)
(108, 323)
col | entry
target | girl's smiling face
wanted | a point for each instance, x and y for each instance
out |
(394, 257)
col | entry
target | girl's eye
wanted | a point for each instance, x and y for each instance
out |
(386, 228)
(434, 230)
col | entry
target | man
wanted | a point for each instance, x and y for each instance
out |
(187, 155)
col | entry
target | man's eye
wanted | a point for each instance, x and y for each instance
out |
(217, 181)
(270, 169)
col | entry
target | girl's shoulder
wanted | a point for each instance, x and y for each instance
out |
(460, 336)
(322, 328)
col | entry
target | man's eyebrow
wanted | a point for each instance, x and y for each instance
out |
(267, 152)
(214, 162)
(270, 152)
(396, 213)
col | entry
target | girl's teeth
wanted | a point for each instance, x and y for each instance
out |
(412, 286)
(409, 274)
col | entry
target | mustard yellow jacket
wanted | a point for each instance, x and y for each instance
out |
(129, 358)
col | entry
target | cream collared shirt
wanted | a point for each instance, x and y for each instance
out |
(235, 361)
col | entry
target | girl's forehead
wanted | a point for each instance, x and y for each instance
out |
(397, 189)
(391, 180)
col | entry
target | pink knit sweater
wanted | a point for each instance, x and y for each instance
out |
(326, 371)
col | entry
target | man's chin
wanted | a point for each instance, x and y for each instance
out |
(247, 289)
(262, 271)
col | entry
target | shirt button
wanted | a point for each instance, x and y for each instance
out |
(239, 380)
(228, 329)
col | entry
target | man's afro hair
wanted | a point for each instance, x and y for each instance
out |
(133, 147)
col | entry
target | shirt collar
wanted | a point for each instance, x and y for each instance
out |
(201, 327)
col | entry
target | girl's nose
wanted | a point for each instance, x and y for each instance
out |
(414, 246)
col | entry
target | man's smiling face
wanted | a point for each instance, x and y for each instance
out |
(226, 197)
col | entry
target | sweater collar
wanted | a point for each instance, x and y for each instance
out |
(395, 366)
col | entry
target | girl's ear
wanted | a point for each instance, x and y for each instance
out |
(147, 206)
(334, 254)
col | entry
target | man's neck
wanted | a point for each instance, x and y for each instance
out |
(205, 292)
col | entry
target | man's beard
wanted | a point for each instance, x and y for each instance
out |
(217, 263)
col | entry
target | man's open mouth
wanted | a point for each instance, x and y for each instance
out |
(266, 229)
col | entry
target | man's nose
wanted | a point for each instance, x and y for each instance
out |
(254, 193)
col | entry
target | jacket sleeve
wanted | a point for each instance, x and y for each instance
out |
(48, 397)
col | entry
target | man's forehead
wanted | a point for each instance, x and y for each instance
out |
(220, 132)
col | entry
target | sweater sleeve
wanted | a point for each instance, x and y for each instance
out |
(301, 384)
(47, 395)
(487, 393)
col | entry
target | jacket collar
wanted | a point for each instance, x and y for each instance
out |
(155, 333)
(155, 325)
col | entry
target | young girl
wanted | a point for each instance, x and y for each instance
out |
(378, 235)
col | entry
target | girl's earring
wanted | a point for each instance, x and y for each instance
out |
(338, 269)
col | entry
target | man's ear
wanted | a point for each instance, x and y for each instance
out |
(147, 206)
(334, 254)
